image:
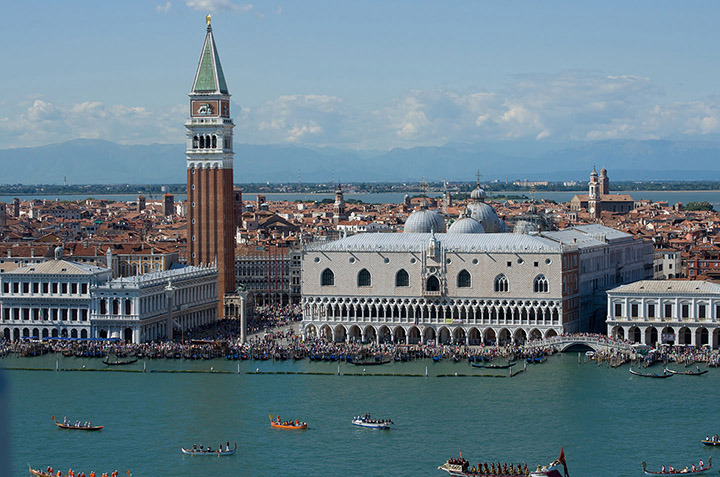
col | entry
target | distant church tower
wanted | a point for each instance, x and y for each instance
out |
(604, 182)
(339, 205)
(594, 197)
(211, 221)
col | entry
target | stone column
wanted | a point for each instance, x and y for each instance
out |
(243, 317)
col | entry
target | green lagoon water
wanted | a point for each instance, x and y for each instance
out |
(607, 420)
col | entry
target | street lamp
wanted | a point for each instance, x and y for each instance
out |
(170, 294)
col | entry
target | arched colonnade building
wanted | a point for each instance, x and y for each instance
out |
(673, 312)
(446, 288)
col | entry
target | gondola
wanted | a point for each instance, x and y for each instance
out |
(686, 373)
(119, 362)
(494, 366)
(76, 428)
(653, 375)
(371, 362)
(218, 453)
(683, 472)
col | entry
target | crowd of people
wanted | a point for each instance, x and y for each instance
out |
(272, 335)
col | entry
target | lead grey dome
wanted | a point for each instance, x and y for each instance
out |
(486, 215)
(466, 225)
(424, 221)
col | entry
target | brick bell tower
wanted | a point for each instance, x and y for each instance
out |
(211, 228)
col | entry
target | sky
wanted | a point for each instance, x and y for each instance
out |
(367, 75)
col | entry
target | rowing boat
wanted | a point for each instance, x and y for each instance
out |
(460, 467)
(653, 375)
(76, 428)
(42, 473)
(683, 472)
(39, 472)
(217, 453)
(710, 442)
(686, 373)
(276, 423)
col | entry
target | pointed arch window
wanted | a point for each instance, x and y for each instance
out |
(501, 283)
(364, 279)
(402, 279)
(540, 284)
(214, 141)
(432, 284)
(463, 279)
(196, 142)
(202, 142)
(327, 278)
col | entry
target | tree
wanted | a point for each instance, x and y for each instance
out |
(704, 205)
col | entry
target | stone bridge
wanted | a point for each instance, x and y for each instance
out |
(596, 343)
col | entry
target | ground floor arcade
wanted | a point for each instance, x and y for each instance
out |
(451, 334)
(695, 334)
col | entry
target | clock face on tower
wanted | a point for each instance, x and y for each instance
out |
(592, 209)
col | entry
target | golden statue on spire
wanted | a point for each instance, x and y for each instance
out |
(207, 19)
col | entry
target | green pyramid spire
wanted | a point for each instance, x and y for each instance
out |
(209, 77)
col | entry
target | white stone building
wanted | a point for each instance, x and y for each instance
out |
(466, 286)
(139, 308)
(683, 312)
(447, 288)
(49, 299)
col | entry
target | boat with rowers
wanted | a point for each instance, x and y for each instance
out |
(78, 426)
(460, 467)
(698, 372)
(277, 423)
(50, 472)
(651, 375)
(691, 470)
(208, 451)
(711, 441)
(366, 421)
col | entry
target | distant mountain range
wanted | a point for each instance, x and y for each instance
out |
(85, 161)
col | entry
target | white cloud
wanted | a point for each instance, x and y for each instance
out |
(164, 8)
(43, 122)
(575, 105)
(213, 6)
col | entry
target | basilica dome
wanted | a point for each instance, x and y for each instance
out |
(425, 221)
(466, 225)
(484, 213)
